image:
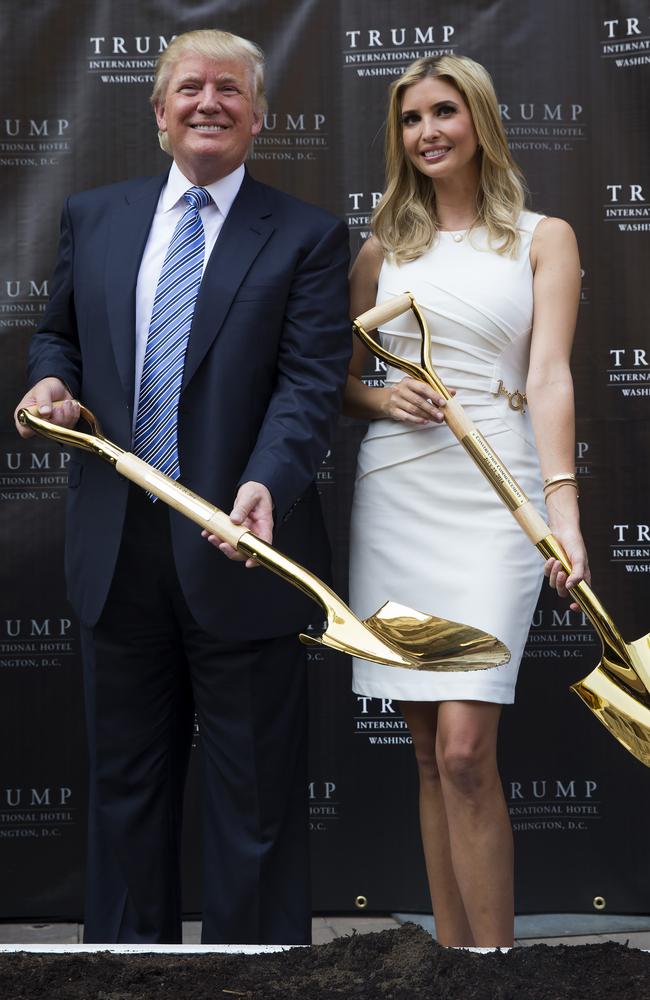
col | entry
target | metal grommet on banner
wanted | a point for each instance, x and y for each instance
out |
(361, 902)
(599, 903)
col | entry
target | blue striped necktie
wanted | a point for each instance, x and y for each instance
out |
(156, 430)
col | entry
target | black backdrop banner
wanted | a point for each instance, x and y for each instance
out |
(573, 82)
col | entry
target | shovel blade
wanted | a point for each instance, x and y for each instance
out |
(624, 713)
(398, 636)
(639, 653)
(437, 643)
(355, 638)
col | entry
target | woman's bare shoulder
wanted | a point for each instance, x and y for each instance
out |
(553, 239)
(364, 276)
(551, 230)
(371, 253)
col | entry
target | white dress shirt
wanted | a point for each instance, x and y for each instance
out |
(169, 212)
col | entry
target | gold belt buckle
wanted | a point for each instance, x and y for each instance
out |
(516, 400)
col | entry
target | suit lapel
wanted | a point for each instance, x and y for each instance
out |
(244, 233)
(129, 229)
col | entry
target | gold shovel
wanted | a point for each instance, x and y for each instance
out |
(395, 635)
(618, 690)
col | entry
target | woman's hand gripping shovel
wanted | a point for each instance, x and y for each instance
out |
(394, 635)
(618, 690)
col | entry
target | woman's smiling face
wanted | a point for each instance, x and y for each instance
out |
(437, 129)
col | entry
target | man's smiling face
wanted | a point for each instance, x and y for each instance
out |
(209, 116)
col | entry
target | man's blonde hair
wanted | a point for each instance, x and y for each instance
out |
(212, 44)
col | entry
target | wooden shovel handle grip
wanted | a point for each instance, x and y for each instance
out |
(384, 312)
(180, 498)
(533, 524)
(525, 514)
(457, 420)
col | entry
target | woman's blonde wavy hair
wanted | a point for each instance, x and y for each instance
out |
(405, 221)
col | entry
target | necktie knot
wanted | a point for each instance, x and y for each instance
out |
(197, 197)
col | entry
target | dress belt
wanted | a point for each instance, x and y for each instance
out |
(516, 400)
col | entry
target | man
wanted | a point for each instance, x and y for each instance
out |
(202, 316)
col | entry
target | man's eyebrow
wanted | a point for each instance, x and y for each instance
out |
(220, 80)
(228, 78)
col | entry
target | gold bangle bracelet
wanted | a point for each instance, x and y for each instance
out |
(561, 481)
(569, 477)
(559, 485)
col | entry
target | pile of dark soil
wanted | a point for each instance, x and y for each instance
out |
(395, 965)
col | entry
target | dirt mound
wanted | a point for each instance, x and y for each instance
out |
(404, 964)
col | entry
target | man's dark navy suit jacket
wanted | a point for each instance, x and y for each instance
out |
(264, 371)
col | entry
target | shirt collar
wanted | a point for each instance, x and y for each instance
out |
(223, 192)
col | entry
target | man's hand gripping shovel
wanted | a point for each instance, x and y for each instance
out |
(395, 635)
(618, 690)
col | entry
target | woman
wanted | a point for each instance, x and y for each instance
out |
(499, 287)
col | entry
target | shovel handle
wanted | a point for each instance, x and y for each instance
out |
(192, 506)
(217, 522)
(462, 426)
(385, 311)
(138, 472)
(180, 498)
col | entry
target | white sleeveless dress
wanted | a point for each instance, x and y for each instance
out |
(428, 530)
